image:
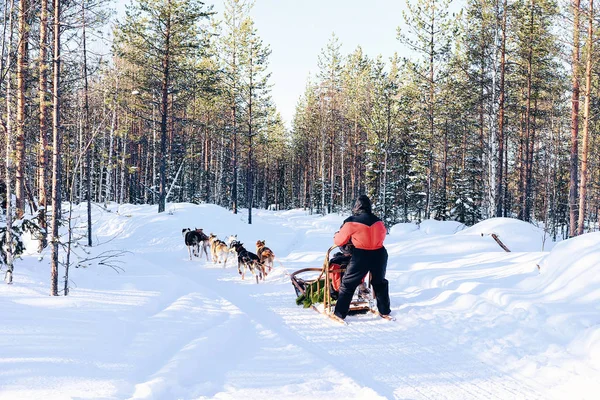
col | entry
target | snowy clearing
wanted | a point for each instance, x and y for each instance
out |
(472, 321)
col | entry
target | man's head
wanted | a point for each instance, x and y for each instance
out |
(362, 205)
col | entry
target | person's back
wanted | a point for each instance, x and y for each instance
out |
(367, 233)
(366, 230)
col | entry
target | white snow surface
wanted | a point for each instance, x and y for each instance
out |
(472, 321)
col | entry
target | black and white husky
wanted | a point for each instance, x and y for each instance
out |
(196, 242)
(248, 260)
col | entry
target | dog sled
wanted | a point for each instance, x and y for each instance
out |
(318, 288)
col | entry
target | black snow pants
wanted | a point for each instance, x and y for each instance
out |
(363, 262)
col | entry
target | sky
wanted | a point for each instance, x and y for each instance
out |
(297, 31)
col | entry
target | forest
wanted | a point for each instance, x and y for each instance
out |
(492, 112)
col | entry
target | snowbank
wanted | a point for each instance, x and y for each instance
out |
(427, 227)
(515, 234)
(403, 229)
(435, 227)
(571, 271)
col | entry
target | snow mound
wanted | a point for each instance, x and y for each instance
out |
(434, 227)
(571, 271)
(517, 235)
(403, 229)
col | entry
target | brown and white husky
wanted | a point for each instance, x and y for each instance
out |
(265, 255)
(219, 250)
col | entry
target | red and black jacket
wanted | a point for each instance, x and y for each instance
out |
(365, 229)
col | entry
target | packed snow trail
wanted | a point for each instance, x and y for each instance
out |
(472, 322)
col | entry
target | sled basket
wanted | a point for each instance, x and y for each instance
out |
(319, 285)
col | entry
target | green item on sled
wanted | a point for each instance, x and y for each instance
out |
(313, 293)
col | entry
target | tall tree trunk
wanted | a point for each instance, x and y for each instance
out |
(164, 106)
(332, 175)
(250, 176)
(43, 118)
(499, 171)
(234, 190)
(528, 138)
(22, 66)
(522, 166)
(56, 143)
(88, 141)
(123, 160)
(586, 121)
(111, 139)
(431, 116)
(8, 275)
(574, 123)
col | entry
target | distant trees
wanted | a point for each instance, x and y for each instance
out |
(478, 119)
(161, 40)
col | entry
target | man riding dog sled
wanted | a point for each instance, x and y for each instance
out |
(366, 232)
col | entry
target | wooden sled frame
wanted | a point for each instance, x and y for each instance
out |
(356, 306)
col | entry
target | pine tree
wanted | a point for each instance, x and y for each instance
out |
(161, 38)
(429, 31)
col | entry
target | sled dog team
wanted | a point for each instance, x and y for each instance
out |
(257, 263)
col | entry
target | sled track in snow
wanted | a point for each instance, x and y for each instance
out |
(395, 362)
(412, 369)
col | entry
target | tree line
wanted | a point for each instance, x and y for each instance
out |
(488, 112)
(482, 116)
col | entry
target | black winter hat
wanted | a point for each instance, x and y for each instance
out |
(362, 205)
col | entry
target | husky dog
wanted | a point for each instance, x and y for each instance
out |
(265, 255)
(230, 239)
(196, 242)
(219, 250)
(248, 260)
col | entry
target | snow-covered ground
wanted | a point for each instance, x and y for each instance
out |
(472, 321)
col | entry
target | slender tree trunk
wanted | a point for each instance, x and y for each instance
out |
(482, 150)
(111, 139)
(431, 116)
(43, 118)
(332, 175)
(528, 138)
(56, 142)
(343, 172)
(322, 166)
(234, 66)
(234, 190)
(586, 121)
(164, 106)
(124, 160)
(8, 275)
(22, 67)
(250, 176)
(443, 197)
(153, 150)
(574, 123)
(506, 207)
(522, 163)
(499, 171)
(355, 173)
(86, 133)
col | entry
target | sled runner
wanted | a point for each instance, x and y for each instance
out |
(318, 288)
